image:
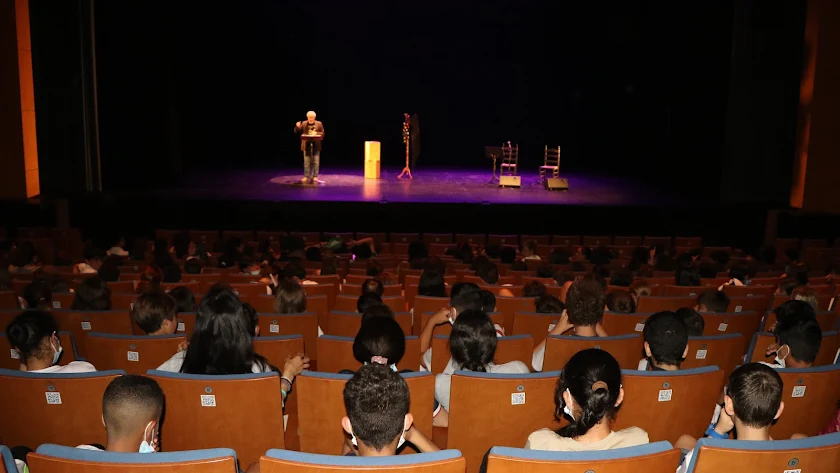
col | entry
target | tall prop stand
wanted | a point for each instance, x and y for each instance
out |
(405, 133)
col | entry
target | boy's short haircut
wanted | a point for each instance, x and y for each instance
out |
(469, 299)
(151, 309)
(462, 287)
(756, 392)
(130, 402)
(714, 301)
(373, 285)
(377, 400)
(693, 321)
(585, 302)
(621, 302)
(533, 289)
(802, 334)
(667, 335)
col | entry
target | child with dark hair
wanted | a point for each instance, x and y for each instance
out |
(92, 294)
(585, 301)
(488, 301)
(549, 304)
(131, 409)
(154, 312)
(623, 278)
(373, 285)
(693, 321)
(621, 302)
(589, 392)
(380, 340)
(752, 402)
(38, 295)
(34, 338)
(533, 289)
(712, 301)
(184, 299)
(366, 300)
(472, 344)
(377, 401)
(377, 310)
(666, 342)
(798, 340)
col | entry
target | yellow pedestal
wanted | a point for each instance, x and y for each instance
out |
(372, 159)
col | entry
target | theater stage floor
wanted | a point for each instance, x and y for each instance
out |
(428, 186)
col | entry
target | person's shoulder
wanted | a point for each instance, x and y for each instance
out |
(77, 367)
(545, 439)
(512, 367)
(633, 436)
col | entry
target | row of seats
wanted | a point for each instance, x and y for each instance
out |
(214, 411)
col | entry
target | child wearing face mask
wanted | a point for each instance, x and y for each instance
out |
(33, 336)
(589, 393)
(131, 410)
(378, 422)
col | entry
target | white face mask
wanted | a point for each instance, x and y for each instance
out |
(57, 353)
(568, 407)
(255, 272)
(452, 315)
(146, 447)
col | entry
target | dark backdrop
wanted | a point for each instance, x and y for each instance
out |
(636, 88)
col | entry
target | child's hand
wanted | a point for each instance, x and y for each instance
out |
(183, 345)
(295, 365)
(724, 424)
(442, 316)
(562, 325)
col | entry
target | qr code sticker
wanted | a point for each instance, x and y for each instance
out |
(274, 328)
(665, 395)
(133, 356)
(517, 399)
(85, 325)
(640, 327)
(739, 308)
(56, 304)
(208, 400)
(53, 397)
(181, 327)
(701, 355)
(798, 391)
(15, 354)
(722, 327)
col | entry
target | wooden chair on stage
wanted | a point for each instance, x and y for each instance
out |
(551, 163)
(510, 160)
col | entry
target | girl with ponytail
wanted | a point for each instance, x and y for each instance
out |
(472, 344)
(588, 393)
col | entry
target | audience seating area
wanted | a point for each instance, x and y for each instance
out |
(214, 423)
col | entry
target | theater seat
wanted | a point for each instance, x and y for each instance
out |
(59, 459)
(811, 455)
(48, 407)
(284, 461)
(135, 354)
(243, 412)
(7, 465)
(626, 349)
(656, 457)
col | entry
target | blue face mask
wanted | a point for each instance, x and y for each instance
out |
(146, 447)
(57, 353)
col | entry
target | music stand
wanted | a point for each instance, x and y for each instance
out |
(494, 153)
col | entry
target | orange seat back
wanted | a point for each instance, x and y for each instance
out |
(134, 354)
(627, 349)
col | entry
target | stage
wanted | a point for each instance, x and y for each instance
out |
(429, 186)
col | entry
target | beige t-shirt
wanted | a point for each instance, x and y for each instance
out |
(545, 439)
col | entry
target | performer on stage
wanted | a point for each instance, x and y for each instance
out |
(311, 156)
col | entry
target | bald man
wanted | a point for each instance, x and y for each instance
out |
(311, 161)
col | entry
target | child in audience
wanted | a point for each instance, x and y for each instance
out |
(289, 297)
(154, 312)
(533, 289)
(131, 410)
(753, 401)
(529, 250)
(92, 294)
(798, 340)
(464, 298)
(378, 422)
(693, 321)
(666, 342)
(640, 287)
(366, 300)
(620, 302)
(380, 340)
(488, 301)
(93, 261)
(373, 285)
(585, 302)
(222, 343)
(589, 392)
(712, 301)
(549, 304)
(184, 299)
(33, 336)
(377, 310)
(38, 295)
(806, 294)
(472, 345)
